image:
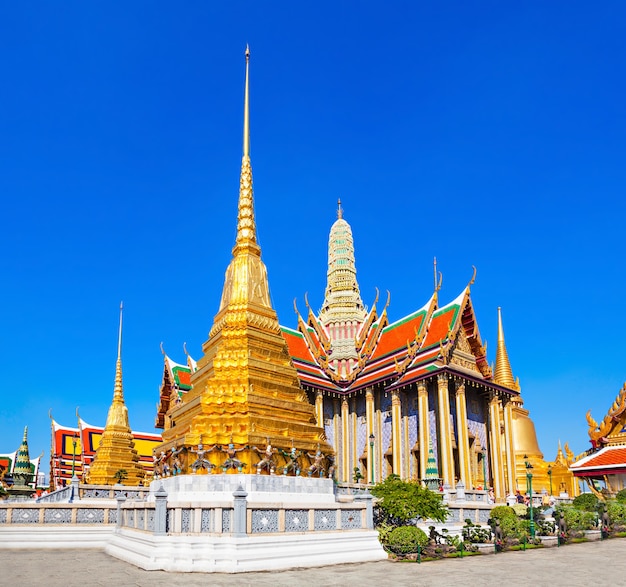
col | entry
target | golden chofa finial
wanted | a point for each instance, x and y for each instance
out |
(339, 210)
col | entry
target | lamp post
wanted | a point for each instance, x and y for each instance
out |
(372, 438)
(529, 479)
(484, 453)
(550, 475)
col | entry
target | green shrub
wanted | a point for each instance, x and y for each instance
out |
(502, 512)
(401, 501)
(514, 528)
(404, 539)
(621, 496)
(520, 509)
(587, 502)
(545, 527)
(578, 520)
(617, 512)
(475, 534)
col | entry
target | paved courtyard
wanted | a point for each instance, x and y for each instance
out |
(595, 563)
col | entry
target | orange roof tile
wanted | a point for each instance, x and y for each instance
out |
(395, 336)
(298, 348)
(609, 457)
(440, 324)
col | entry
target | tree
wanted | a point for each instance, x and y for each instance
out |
(121, 475)
(401, 501)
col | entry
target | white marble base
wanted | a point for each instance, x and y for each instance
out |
(225, 554)
(261, 488)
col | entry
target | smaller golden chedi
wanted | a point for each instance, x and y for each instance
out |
(116, 459)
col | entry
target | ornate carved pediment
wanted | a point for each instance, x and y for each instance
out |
(462, 354)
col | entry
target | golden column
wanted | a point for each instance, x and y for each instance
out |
(345, 441)
(424, 428)
(495, 447)
(369, 417)
(396, 431)
(445, 448)
(319, 408)
(508, 446)
(463, 440)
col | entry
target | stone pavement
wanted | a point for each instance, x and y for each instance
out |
(593, 563)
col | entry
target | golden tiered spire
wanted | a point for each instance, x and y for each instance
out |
(245, 391)
(503, 374)
(117, 448)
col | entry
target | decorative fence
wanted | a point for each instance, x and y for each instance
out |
(242, 518)
(31, 513)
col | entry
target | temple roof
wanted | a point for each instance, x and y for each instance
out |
(610, 460)
(428, 340)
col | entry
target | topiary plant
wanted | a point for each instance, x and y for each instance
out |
(405, 539)
(520, 509)
(621, 496)
(401, 501)
(502, 512)
(587, 502)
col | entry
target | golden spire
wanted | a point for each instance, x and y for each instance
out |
(118, 390)
(246, 276)
(246, 227)
(116, 451)
(503, 374)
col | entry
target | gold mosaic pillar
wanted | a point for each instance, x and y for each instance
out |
(424, 428)
(345, 440)
(445, 436)
(369, 417)
(319, 409)
(463, 440)
(496, 448)
(396, 431)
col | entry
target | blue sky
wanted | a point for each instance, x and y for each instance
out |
(481, 133)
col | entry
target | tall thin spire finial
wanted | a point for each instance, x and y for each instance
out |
(435, 271)
(118, 390)
(119, 338)
(339, 210)
(246, 228)
(246, 110)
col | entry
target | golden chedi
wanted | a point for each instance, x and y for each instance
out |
(553, 477)
(116, 459)
(245, 391)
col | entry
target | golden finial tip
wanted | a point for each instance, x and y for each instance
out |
(339, 210)
(247, 52)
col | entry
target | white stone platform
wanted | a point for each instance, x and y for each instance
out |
(226, 554)
(239, 523)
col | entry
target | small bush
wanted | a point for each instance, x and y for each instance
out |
(404, 539)
(501, 512)
(621, 496)
(514, 528)
(617, 513)
(578, 520)
(476, 534)
(587, 502)
(520, 509)
(545, 527)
